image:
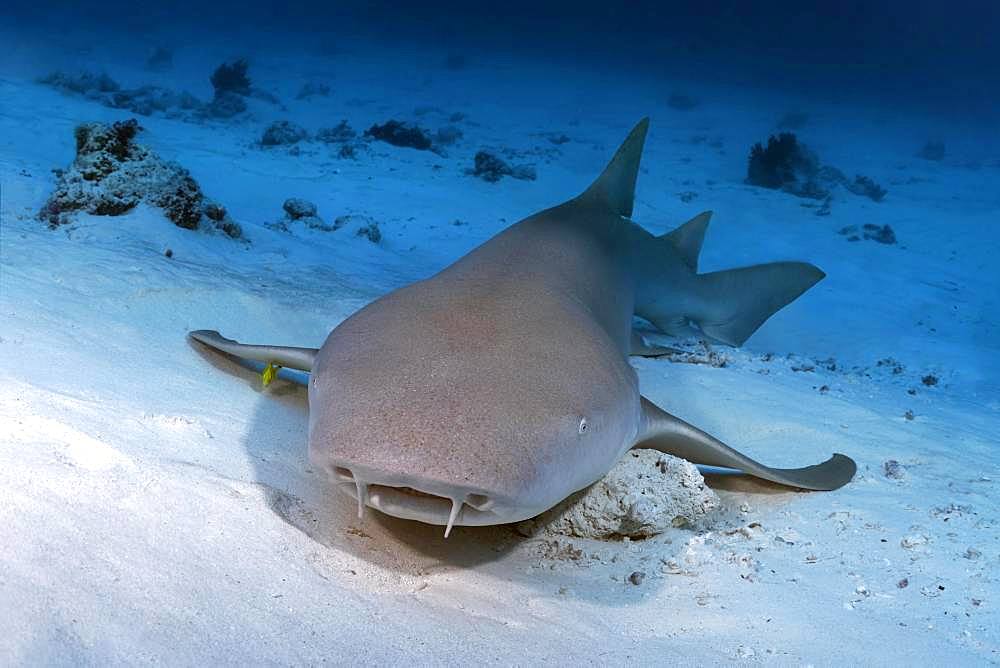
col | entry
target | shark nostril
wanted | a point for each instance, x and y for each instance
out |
(478, 501)
(342, 473)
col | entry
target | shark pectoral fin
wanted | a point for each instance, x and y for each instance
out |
(286, 356)
(640, 347)
(666, 433)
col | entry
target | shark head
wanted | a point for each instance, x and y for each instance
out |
(422, 411)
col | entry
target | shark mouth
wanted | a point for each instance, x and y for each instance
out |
(445, 506)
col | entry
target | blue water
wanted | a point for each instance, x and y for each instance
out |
(924, 54)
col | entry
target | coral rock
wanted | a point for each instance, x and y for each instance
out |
(644, 494)
(283, 133)
(490, 168)
(299, 208)
(400, 134)
(111, 174)
(232, 78)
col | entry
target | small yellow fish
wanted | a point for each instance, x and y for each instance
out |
(270, 373)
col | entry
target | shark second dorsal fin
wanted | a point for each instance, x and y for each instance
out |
(614, 189)
(688, 238)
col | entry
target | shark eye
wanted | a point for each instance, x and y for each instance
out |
(583, 426)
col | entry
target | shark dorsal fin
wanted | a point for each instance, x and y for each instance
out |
(688, 238)
(614, 189)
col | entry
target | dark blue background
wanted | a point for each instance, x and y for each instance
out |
(939, 54)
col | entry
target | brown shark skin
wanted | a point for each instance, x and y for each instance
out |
(480, 375)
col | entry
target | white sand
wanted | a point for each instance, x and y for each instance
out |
(156, 505)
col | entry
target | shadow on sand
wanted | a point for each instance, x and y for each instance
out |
(277, 445)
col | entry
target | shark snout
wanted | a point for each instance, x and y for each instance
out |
(428, 501)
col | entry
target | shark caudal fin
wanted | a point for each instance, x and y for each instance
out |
(735, 302)
(614, 189)
(728, 306)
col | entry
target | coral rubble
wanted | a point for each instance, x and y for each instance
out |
(112, 174)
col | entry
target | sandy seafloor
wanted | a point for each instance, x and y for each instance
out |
(157, 505)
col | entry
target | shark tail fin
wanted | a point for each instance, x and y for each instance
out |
(735, 302)
(614, 189)
(689, 237)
